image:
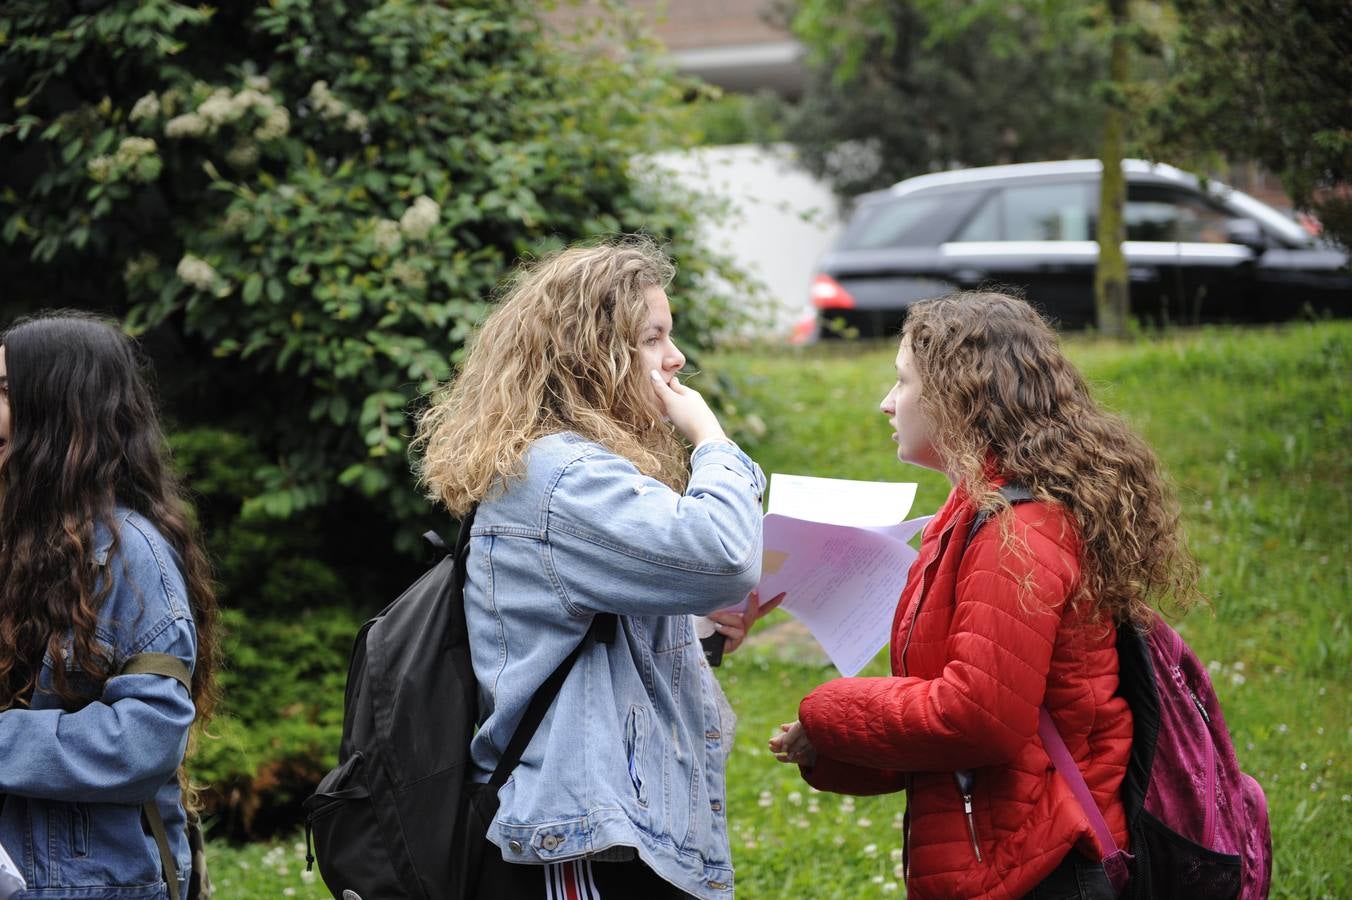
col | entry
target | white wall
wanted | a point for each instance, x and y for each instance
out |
(781, 218)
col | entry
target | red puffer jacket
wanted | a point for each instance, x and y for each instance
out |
(980, 640)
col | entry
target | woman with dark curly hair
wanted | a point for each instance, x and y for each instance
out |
(997, 623)
(107, 619)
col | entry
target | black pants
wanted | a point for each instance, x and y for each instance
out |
(577, 880)
(1077, 878)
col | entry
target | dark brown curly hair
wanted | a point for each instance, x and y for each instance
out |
(998, 389)
(84, 438)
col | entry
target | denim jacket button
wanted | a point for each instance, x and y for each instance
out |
(514, 846)
(712, 735)
(551, 841)
(719, 885)
(716, 806)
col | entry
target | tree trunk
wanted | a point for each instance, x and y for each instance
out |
(1111, 298)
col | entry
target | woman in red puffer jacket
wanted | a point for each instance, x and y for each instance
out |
(1022, 616)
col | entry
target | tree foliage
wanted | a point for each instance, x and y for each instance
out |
(1267, 80)
(902, 87)
(306, 206)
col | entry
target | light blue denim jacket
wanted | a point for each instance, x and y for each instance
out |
(631, 753)
(75, 781)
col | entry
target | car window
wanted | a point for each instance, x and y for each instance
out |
(1035, 212)
(1159, 213)
(907, 221)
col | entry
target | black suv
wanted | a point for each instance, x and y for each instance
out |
(1195, 252)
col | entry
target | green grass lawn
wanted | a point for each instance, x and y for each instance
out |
(1254, 427)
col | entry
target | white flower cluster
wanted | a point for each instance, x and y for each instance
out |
(417, 221)
(330, 107)
(386, 235)
(148, 107)
(223, 107)
(196, 271)
(402, 271)
(136, 157)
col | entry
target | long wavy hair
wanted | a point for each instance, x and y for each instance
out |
(84, 438)
(998, 390)
(559, 353)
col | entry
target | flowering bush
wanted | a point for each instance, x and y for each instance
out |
(304, 208)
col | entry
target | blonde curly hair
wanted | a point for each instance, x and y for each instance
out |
(998, 389)
(559, 353)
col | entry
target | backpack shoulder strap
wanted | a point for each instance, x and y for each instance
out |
(170, 667)
(158, 664)
(1013, 493)
(602, 628)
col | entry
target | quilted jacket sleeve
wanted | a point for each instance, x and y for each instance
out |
(843, 778)
(982, 708)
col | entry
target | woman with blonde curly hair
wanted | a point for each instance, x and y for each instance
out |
(998, 622)
(561, 436)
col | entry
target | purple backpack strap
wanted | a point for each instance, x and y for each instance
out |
(1115, 860)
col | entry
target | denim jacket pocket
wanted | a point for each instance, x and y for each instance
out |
(79, 829)
(635, 740)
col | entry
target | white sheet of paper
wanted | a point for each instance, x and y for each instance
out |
(11, 879)
(841, 556)
(838, 501)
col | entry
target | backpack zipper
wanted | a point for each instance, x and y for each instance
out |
(1209, 819)
(964, 779)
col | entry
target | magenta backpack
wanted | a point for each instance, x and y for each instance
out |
(1198, 826)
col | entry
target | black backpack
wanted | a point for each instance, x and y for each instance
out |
(397, 817)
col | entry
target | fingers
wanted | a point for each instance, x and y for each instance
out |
(770, 605)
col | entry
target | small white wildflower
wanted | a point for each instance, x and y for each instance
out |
(287, 891)
(1238, 665)
(877, 879)
(258, 82)
(795, 798)
(417, 221)
(870, 850)
(838, 840)
(196, 271)
(1281, 728)
(1214, 666)
(1237, 678)
(355, 121)
(864, 822)
(185, 126)
(897, 855)
(148, 107)
(765, 799)
(899, 871)
(890, 887)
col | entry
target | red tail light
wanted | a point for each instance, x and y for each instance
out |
(828, 294)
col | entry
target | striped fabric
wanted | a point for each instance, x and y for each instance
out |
(570, 880)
